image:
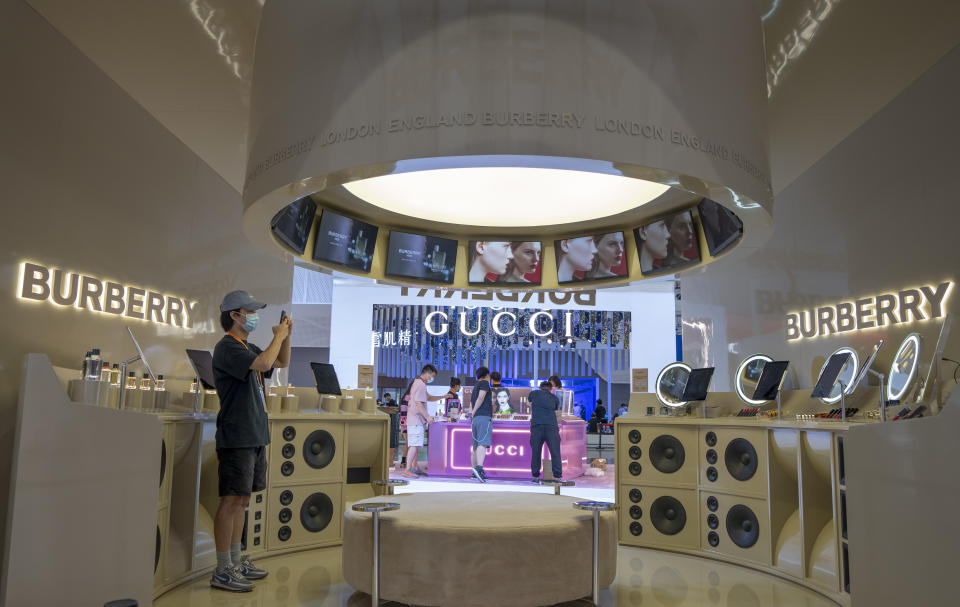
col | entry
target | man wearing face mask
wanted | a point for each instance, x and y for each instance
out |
(239, 368)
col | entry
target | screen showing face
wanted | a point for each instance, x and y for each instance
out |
(504, 262)
(588, 258)
(345, 241)
(292, 224)
(424, 258)
(667, 244)
(721, 226)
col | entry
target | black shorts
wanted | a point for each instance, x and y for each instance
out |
(242, 471)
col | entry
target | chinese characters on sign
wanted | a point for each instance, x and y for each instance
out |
(385, 339)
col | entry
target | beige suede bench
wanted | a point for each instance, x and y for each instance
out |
(480, 549)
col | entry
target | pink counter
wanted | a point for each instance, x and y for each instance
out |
(448, 449)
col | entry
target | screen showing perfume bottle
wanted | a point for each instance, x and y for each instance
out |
(426, 258)
(345, 241)
(503, 261)
(589, 258)
(292, 224)
(667, 244)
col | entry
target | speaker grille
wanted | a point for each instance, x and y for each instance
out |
(635, 468)
(741, 459)
(316, 512)
(286, 498)
(284, 533)
(634, 436)
(319, 449)
(668, 515)
(156, 555)
(713, 538)
(289, 433)
(711, 474)
(713, 521)
(286, 468)
(712, 503)
(635, 496)
(743, 526)
(285, 515)
(635, 452)
(288, 450)
(711, 456)
(667, 454)
(636, 528)
(636, 512)
(163, 459)
(711, 439)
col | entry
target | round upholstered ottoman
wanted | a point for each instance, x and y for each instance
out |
(480, 549)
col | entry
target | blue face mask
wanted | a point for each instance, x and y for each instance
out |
(253, 320)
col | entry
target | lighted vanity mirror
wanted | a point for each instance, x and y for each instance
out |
(671, 383)
(748, 375)
(903, 371)
(847, 377)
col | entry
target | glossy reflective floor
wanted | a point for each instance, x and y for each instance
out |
(644, 578)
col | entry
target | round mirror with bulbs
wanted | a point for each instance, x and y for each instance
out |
(903, 371)
(845, 380)
(748, 374)
(671, 383)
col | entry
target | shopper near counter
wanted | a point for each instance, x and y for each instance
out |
(622, 410)
(544, 428)
(417, 418)
(601, 411)
(243, 432)
(481, 427)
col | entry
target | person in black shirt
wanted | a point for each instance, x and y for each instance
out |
(242, 429)
(481, 410)
(601, 411)
(544, 428)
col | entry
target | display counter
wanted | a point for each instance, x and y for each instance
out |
(509, 456)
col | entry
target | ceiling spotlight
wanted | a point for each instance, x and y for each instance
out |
(549, 340)
(569, 340)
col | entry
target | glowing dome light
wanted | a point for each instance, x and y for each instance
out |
(497, 196)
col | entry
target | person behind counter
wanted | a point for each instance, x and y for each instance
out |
(481, 427)
(242, 430)
(544, 428)
(417, 417)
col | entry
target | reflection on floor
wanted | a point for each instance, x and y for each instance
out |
(645, 578)
(586, 487)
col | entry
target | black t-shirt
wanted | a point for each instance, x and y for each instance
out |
(242, 421)
(486, 408)
(543, 407)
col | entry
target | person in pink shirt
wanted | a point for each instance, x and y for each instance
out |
(417, 418)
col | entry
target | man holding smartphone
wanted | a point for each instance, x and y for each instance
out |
(243, 432)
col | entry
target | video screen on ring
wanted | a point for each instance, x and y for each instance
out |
(426, 258)
(345, 241)
(721, 226)
(590, 258)
(497, 262)
(292, 224)
(667, 244)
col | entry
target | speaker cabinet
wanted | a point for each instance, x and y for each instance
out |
(306, 452)
(168, 438)
(659, 517)
(368, 442)
(735, 526)
(653, 455)
(300, 515)
(160, 548)
(254, 531)
(734, 460)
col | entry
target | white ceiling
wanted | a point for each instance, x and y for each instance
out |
(831, 65)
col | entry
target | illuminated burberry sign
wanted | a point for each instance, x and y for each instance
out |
(888, 309)
(62, 288)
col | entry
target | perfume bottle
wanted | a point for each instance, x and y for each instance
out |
(359, 246)
(115, 374)
(131, 381)
(438, 260)
(145, 383)
(161, 384)
(105, 374)
(193, 386)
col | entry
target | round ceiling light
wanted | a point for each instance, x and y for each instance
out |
(499, 196)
